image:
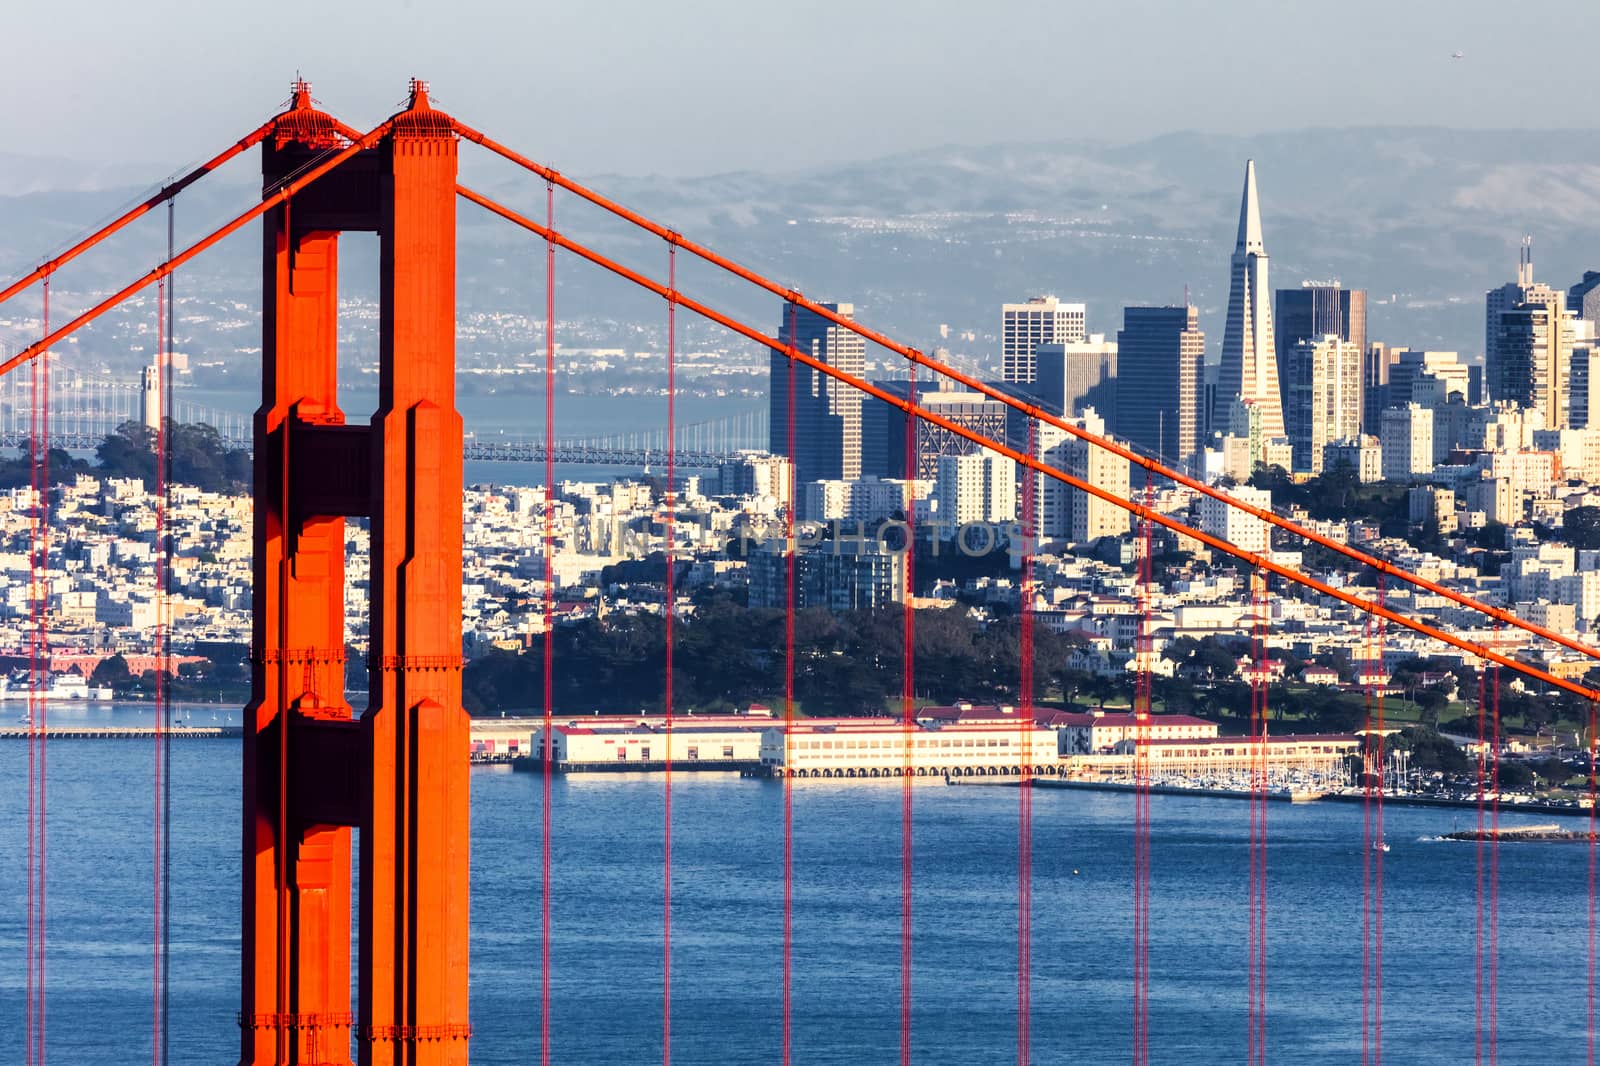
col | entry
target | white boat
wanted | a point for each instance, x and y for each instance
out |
(61, 687)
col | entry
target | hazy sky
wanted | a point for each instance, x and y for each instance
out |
(692, 86)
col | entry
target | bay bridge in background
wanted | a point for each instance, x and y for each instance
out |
(85, 410)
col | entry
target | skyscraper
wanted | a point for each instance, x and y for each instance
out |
(1322, 389)
(1527, 338)
(1025, 326)
(1075, 375)
(1159, 352)
(1317, 309)
(883, 427)
(1583, 299)
(1249, 368)
(1583, 387)
(827, 413)
(1532, 355)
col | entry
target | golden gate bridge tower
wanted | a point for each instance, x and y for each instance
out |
(312, 772)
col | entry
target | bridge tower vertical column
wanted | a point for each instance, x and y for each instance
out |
(415, 810)
(299, 740)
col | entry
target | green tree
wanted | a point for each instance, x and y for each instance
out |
(1430, 751)
(1515, 775)
(112, 672)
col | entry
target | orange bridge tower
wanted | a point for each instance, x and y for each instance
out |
(312, 771)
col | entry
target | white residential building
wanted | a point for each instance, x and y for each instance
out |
(1233, 525)
(1407, 441)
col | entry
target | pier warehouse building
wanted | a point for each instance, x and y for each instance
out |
(888, 747)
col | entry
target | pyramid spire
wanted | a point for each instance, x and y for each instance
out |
(1250, 214)
(1248, 374)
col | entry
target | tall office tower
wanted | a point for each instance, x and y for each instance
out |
(1023, 327)
(1322, 396)
(1532, 349)
(1524, 360)
(1583, 376)
(883, 427)
(1078, 374)
(1159, 352)
(1583, 299)
(1249, 368)
(827, 413)
(1376, 365)
(1317, 309)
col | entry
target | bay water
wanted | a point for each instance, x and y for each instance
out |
(727, 921)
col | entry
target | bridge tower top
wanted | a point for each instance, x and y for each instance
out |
(303, 123)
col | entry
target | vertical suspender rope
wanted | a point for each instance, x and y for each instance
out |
(1594, 725)
(31, 938)
(907, 731)
(1257, 940)
(1253, 734)
(1479, 854)
(163, 666)
(38, 706)
(1141, 799)
(1494, 873)
(1379, 840)
(1368, 843)
(549, 620)
(42, 635)
(1025, 722)
(30, 919)
(791, 496)
(159, 693)
(672, 503)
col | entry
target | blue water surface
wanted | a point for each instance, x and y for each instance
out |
(727, 921)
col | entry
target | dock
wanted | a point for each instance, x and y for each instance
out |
(1090, 785)
(108, 732)
(742, 767)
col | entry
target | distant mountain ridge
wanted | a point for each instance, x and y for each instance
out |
(1429, 216)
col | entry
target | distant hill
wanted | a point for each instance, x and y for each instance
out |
(1429, 217)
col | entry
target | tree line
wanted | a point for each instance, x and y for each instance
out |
(196, 455)
(726, 656)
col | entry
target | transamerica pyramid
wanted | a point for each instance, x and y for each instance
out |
(1249, 370)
